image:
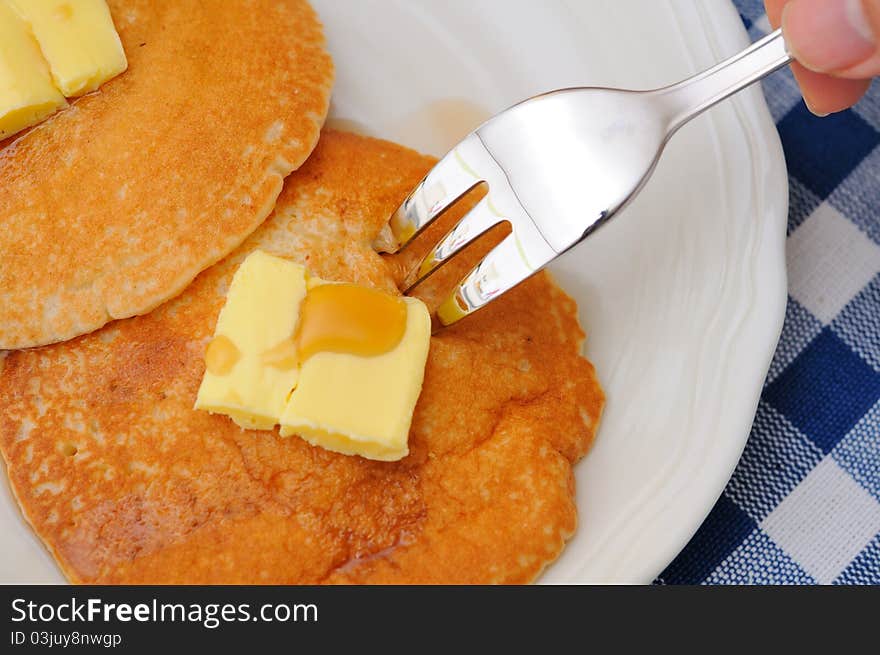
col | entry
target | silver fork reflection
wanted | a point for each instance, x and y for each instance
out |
(557, 167)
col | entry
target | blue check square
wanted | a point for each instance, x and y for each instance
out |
(821, 152)
(750, 11)
(758, 560)
(721, 533)
(775, 460)
(801, 203)
(858, 324)
(825, 390)
(869, 108)
(864, 569)
(858, 196)
(858, 453)
(798, 330)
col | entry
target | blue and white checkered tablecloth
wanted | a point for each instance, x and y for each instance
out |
(803, 505)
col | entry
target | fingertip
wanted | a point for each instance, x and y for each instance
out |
(824, 94)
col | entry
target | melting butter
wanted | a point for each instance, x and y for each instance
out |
(347, 318)
(221, 355)
(282, 355)
(360, 405)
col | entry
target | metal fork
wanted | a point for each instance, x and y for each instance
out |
(557, 166)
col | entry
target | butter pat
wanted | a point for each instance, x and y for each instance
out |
(77, 39)
(27, 95)
(251, 364)
(340, 365)
(360, 405)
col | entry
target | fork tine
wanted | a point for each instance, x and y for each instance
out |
(450, 179)
(471, 226)
(507, 264)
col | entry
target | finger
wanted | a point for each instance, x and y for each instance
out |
(824, 94)
(834, 36)
(774, 11)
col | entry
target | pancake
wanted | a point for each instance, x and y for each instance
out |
(115, 204)
(126, 483)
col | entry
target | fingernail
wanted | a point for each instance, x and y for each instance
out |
(813, 111)
(827, 35)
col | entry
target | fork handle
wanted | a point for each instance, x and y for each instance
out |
(694, 95)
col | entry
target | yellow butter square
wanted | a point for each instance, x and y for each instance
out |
(77, 39)
(258, 320)
(27, 95)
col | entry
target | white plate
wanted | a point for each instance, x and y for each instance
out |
(682, 296)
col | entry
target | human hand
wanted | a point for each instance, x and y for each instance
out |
(835, 43)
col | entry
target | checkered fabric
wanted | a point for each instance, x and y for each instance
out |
(803, 505)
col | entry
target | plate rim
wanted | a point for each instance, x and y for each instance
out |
(725, 32)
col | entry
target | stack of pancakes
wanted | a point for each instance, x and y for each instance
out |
(123, 219)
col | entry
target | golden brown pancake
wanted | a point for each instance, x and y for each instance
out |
(115, 204)
(126, 483)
